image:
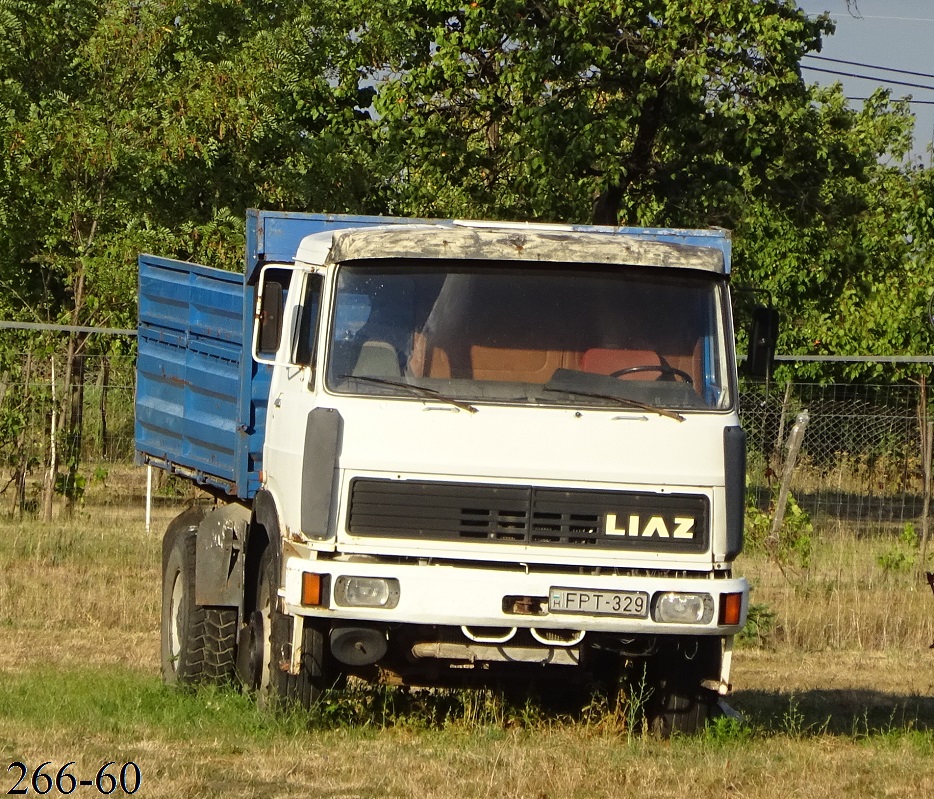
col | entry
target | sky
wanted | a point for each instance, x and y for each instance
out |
(894, 34)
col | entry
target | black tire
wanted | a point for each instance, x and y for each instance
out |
(680, 710)
(267, 647)
(198, 643)
(677, 703)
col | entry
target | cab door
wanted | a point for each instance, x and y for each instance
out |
(293, 400)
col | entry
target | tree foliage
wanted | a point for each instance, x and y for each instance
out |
(848, 260)
(666, 113)
(129, 126)
(651, 112)
(152, 126)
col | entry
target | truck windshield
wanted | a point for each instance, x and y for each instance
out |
(551, 334)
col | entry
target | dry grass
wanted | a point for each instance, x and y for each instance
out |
(80, 590)
(839, 698)
(863, 594)
(543, 761)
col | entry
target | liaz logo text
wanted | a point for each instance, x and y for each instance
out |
(636, 526)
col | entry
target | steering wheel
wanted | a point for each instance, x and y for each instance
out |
(662, 368)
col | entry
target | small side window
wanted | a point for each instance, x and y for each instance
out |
(306, 345)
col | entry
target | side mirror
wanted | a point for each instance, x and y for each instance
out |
(763, 337)
(268, 318)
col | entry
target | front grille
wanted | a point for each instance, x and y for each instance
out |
(528, 515)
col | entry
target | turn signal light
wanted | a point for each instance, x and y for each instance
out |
(312, 589)
(731, 608)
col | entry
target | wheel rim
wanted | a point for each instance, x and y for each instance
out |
(175, 620)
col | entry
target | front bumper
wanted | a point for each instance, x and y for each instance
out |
(473, 595)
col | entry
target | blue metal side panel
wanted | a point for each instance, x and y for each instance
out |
(254, 403)
(195, 376)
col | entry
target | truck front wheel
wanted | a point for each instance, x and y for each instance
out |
(678, 702)
(267, 646)
(198, 643)
(680, 710)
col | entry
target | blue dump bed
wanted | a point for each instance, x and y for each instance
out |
(200, 398)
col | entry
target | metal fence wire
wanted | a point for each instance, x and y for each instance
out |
(861, 464)
(29, 395)
(36, 398)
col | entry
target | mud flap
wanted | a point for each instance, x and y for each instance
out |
(219, 568)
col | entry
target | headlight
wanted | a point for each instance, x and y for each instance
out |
(677, 608)
(366, 592)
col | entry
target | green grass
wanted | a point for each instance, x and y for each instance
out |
(131, 703)
(836, 686)
(127, 703)
(214, 743)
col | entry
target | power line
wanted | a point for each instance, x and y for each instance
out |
(868, 66)
(899, 99)
(897, 19)
(868, 77)
(816, 14)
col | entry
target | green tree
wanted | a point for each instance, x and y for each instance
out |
(646, 112)
(664, 112)
(847, 257)
(152, 126)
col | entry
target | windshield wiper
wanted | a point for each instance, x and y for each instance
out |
(428, 393)
(624, 401)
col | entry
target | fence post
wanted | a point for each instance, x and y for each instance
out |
(48, 489)
(925, 524)
(795, 437)
(148, 497)
(780, 438)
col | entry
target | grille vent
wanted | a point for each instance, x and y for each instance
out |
(521, 515)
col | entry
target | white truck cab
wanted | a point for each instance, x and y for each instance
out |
(492, 453)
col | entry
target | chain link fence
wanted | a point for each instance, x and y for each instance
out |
(862, 462)
(861, 465)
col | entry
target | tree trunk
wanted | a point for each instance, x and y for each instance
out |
(22, 463)
(75, 419)
(607, 205)
(69, 426)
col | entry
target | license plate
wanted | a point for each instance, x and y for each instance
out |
(599, 603)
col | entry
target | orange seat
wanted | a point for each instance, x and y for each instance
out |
(525, 366)
(603, 361)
